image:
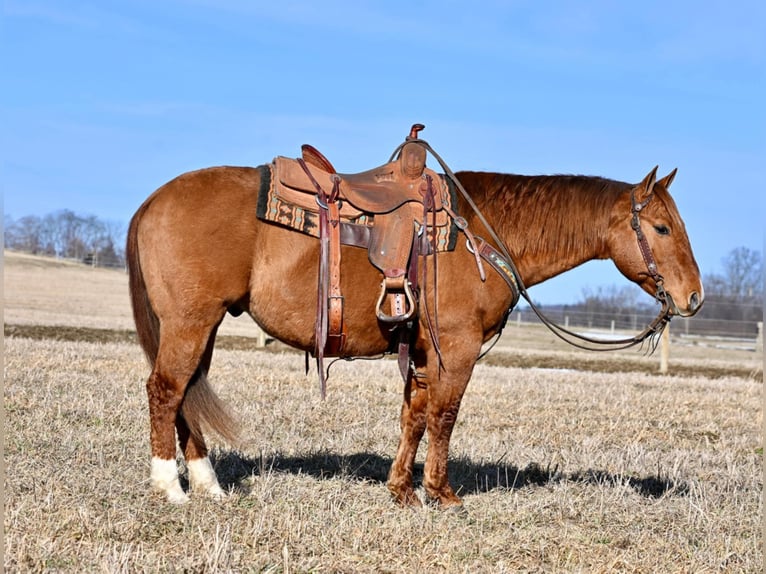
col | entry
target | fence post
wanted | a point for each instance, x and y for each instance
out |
(665, 349)
(261, 340)
(759, 338)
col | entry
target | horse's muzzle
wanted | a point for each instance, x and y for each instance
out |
(693, 306)
(695, 303)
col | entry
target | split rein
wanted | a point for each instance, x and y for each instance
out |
(652, 331)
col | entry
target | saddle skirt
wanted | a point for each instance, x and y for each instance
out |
(287, 197)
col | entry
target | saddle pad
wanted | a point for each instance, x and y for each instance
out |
(299, 211)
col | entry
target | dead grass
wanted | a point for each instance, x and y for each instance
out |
(561, 470)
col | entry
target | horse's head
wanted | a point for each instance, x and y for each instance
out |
(649, 245)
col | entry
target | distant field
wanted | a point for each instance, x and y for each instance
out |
(567, 461)
(44, 291)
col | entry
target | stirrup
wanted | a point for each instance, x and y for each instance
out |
(404, 304)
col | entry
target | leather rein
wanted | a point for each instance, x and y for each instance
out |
(652, 330)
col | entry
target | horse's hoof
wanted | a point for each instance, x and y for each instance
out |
(445, 499)
(457, 509)
(217, 493)
(203, 479)
(406, 498)
(173, 492)
(164, 478)
(178, 496)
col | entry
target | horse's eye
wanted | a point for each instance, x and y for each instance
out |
(662, 229)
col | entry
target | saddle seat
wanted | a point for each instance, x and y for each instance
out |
(398, 211)
(376, 191)
(384, 188)
(381, 208)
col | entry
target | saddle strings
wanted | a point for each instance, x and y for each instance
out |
(651, 332)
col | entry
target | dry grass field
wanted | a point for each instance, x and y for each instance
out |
(583, 463)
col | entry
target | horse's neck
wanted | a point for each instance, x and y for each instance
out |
(550, 224)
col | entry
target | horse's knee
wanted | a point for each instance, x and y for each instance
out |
(163, 393)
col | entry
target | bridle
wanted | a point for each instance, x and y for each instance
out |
(646, 251)
(652, 330)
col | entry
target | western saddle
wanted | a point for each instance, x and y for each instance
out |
(398, 211)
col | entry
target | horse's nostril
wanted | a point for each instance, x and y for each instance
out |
(694, 301)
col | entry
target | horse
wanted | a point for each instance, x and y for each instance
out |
(196, 251)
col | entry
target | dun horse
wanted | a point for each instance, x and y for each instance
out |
(196, 250)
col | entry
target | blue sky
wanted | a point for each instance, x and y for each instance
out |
(105, 101)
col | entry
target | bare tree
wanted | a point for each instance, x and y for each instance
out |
(742, 276)
(67, 234)
(733, 300)
(115, 234)
(26, 234)
(606, 304)
(743, 271)
(736, 294)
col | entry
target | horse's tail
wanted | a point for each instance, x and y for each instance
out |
(200, 406)
(147, 323)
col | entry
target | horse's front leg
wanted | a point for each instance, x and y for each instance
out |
(445, 393)
(413, 426)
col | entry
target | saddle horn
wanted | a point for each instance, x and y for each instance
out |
(412, 160)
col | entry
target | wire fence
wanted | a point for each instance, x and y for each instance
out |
(103, 260)
(637, 320)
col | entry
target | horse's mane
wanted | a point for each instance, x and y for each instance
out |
(565, 214)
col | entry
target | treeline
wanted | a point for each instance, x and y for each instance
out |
(733, 303)
(736, 294)
(68, 235)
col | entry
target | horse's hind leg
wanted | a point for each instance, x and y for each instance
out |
(181, 349)
(202, 477)
(197, 399)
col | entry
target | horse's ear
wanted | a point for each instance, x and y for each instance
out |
(668, 179)
(646, 187)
